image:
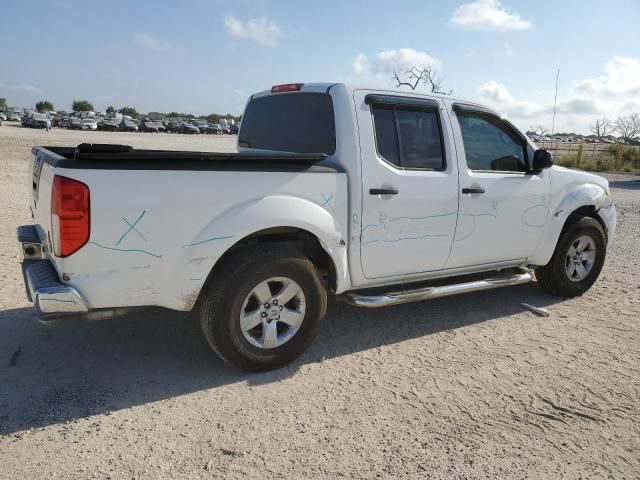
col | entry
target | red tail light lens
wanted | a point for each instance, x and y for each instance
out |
(287, 87)
(69, 215)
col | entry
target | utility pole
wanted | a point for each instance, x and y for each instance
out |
(555, 101)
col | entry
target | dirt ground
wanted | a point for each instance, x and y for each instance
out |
(463, 387)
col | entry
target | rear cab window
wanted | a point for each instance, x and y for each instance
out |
(300, 122)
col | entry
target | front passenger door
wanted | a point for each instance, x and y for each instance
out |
(503, 207)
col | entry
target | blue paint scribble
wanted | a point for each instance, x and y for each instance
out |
(528, 224)
(473, 229)
(132, 250)
(195, 279)
(382, 219)
(355, 219)
(132, 227)
(206, 241)
(369, 226)
(574, 195)
(415, 238)
(368, 242)
(327, 201)
(423, 218)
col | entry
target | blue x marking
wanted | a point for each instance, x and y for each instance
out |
(132, 226)
(326, 202)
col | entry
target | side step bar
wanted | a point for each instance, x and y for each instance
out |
(427, 293)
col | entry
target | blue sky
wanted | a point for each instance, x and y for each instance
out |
(206, 56)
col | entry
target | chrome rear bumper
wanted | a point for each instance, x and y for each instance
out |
(52, 299)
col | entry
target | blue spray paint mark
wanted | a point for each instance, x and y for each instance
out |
(133, 250)
(369, 226)
(574, 195)
(132, 227)
(327, 201)
(423, 218)
(382, 219)
(415, 238)
(195, 279)
(473, 229)
(368, 242)
(355, 219)
(206, 241)
(530, 224)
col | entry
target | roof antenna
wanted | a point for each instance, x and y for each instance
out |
(555, 101)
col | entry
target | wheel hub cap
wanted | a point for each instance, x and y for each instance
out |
(272, 313)
(580, 258)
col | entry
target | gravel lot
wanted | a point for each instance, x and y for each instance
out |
(463, 387)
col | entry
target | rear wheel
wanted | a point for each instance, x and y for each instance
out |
(263, 308)
(577, 260)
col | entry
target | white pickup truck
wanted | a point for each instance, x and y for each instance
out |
(380, 197)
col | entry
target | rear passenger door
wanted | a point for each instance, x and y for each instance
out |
(409, 185)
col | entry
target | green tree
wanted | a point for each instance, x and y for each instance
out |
(173, 115)
(111, 110)
(81, 106)
(3, 103)
(213, 118)
(44, 106)
(130, 111)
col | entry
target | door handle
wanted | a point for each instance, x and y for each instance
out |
(473, 190)
(383, 191)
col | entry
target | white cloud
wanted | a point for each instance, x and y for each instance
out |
(151, 43)
(21, 88)
(388, 61)
(622, 77)
(261, 30)
(488, 15)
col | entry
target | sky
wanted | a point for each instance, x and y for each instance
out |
(206, 56)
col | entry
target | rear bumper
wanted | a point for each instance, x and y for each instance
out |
(52, 299)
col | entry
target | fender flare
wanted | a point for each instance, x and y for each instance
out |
(586, 195)
(202, 253)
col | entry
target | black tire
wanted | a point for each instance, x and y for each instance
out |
(223, 297)
(553, 278)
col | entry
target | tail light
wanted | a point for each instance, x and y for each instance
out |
(69, 215)
(287, 87)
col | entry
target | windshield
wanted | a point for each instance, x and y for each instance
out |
(39, 117)
(290, 122)
(88, 120)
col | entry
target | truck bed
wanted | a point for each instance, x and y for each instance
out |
(123, 157)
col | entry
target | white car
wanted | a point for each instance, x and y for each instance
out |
(360, 193)
(3, 116)
(88, 124)
(14, 117)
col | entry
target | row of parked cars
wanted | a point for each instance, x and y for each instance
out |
(125, 124)
(145, 125)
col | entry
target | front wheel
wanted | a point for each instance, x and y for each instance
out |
(263, 308)
(577, 260)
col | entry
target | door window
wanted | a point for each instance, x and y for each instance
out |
(409, 138)
(491, 144)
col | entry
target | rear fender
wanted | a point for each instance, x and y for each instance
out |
(201, 253)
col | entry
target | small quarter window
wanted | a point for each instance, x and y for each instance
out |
(409, 138)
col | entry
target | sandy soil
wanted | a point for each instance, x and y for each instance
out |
(463, 387)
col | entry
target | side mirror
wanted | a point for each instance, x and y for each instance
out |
(541, 159)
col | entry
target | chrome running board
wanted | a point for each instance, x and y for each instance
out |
(427, 293)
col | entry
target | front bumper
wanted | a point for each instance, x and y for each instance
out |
(52, 299)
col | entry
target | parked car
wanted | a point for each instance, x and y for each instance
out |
(185, 127)
(148, 126)
(233, 129)
(215, 128)
(3, 116)
(226, 130)
(407, 189)
(160, 126)
(109, 125)
(75, 123)
(88, 124)
(14, 117)
(37, 120)
(128, 126)
(173, 126)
